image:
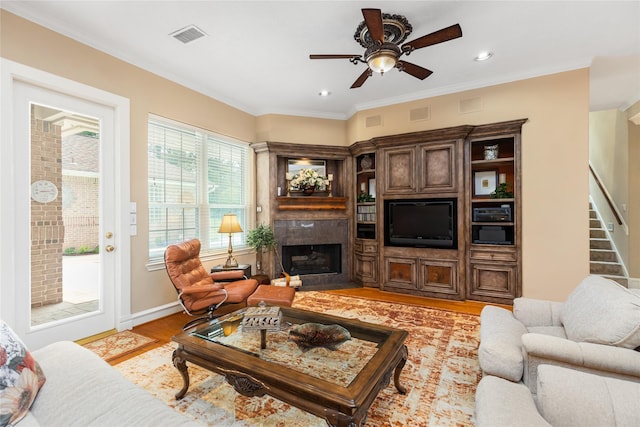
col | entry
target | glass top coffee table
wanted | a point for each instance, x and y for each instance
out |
(335, 382)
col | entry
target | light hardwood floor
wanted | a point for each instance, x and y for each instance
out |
(163, 329)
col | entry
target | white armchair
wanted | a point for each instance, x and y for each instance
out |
(565, 397)
(596, 330)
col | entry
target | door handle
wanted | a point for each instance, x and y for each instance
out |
(109, 248)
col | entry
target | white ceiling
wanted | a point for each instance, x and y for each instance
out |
(256, 53)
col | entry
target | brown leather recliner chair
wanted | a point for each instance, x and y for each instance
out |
(198, 292)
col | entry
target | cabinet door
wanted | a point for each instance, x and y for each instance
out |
(400, 273)
(437, 168)
(400, 169)
(493, 282)
(439, 278)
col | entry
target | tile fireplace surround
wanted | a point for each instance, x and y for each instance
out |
(315, 232)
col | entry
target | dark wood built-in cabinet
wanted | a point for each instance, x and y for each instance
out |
(461, 166)
(365, 243)
(422, 166)
(494, 236)
(485, 262)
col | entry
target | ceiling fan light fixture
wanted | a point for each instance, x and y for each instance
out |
(381, 62)
(381, 34)
(382, 58)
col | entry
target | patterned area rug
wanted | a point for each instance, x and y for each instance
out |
(441, 373)
(118, 344)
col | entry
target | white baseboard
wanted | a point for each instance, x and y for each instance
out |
(634, 283)
(149, 315)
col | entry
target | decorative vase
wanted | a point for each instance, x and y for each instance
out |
(308, 191)
(366, 162)
(491, 152)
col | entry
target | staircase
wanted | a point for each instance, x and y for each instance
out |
(603, 258)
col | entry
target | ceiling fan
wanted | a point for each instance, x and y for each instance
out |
(381, 34)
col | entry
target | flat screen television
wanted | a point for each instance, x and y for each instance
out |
(423, 223)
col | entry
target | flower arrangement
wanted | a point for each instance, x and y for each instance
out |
(308, 178)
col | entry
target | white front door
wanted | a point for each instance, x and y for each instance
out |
(70, 243)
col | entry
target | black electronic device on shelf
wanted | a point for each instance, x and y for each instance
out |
(493, 235)
(492, 214)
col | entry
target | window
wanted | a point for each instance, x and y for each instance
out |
(195, 177)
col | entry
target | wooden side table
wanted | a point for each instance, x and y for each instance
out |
(246, 268)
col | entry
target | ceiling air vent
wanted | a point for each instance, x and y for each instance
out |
(188, 34)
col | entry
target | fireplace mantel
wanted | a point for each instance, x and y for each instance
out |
(308, 203)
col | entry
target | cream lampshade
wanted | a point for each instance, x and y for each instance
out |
(230, 225)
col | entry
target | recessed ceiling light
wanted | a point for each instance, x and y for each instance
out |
(324, 92)
(483, 56)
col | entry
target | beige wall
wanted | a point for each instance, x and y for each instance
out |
(554, 164)
(555, 149)
(633, 208)
(301, 130)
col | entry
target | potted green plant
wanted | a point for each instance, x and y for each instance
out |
(261, 238)
(501, 192)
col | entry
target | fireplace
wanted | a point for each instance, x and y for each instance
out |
(317, 250)
(312, 259)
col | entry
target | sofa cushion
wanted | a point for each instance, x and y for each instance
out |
(500, 351)
(20, 377)
(566, 397)
(502, 403)
(602, 311)
(84, 390)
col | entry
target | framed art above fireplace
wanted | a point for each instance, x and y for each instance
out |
(296, 165)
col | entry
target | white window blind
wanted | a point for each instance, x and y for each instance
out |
(195, 177)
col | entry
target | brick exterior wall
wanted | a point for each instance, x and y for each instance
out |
(47, 227)
(80, 213)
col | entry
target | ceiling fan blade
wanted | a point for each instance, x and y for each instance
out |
(363, 77)
(373, 19)
(413, 69)
(334, 56)
(443, 35)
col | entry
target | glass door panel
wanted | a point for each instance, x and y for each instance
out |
(65, 215)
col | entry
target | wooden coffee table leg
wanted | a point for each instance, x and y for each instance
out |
(181, 365)
(263, 338)
(404, 353)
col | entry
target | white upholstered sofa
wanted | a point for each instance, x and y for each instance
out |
(597, 330)
(83, 390)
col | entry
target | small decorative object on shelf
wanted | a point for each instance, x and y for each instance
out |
(501, 192)
(309, 335)
(366, 162)
(491, 152)
(364, 197)
(308, 181)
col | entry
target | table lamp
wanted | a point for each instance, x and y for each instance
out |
(230, 225)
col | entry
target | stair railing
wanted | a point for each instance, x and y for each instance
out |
(607, 196)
